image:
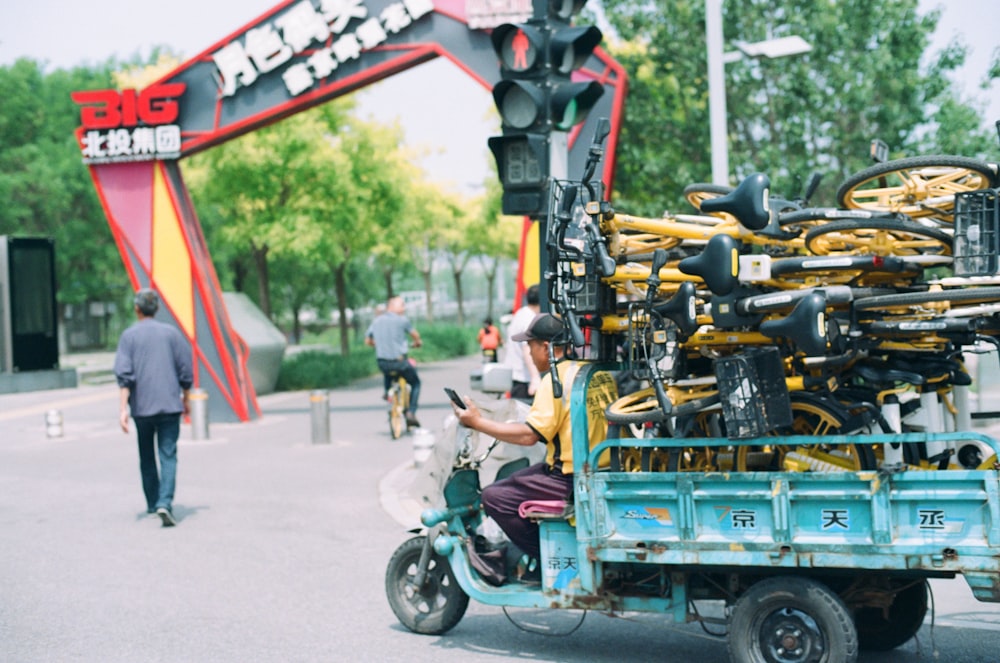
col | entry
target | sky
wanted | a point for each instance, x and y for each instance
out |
(66, 33)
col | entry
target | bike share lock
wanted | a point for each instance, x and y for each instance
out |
(198, 408)
(319, 407)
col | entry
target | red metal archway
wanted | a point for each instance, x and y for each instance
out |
(299, 54)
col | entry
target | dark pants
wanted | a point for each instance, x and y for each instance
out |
(408, 371)
(502, 499)
(158, 437)
(519, 390)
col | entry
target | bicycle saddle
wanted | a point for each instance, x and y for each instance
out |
(805, 326)
(680, 309)
(748, 202)
(718, 264)
(878, 372)
(933, 368)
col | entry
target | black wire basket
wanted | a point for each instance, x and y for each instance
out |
(753, 392)
(977, 233)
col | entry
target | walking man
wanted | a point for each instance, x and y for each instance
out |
(390, 334)
(153, 369)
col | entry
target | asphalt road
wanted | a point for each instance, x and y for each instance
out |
(281, 549)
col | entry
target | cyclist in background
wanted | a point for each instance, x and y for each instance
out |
(489, 340)
(390, 334)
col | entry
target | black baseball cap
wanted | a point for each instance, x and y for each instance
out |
(545, 327)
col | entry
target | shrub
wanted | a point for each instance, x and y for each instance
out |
(317, 369)
(327, 369)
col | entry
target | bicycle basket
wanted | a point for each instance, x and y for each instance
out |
(753, 392)
(652, 340)
(977, 233)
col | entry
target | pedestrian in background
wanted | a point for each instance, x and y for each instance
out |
(489, 340)
(524, 373)
(154, 372)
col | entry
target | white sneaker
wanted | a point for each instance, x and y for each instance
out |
(166, 517)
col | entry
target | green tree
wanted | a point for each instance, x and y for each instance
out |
(255, 188)
(787, 117)
(45, 187)
(494, 238)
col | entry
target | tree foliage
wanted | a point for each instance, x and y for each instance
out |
(866, 77)
(45, 188)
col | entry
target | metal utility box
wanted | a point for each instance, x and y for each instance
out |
(28, 317)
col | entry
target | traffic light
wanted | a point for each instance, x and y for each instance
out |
(536, 97)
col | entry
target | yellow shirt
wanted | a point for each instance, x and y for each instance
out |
(550, 418)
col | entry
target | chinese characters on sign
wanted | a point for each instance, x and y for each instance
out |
(111, 124)
(269, 46)
(835, 519)
(486, 14)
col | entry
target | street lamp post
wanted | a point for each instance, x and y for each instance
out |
(717, 59)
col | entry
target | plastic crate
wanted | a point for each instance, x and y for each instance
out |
(977, 233)
(753, 392)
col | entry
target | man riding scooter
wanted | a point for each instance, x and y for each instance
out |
(548, 421)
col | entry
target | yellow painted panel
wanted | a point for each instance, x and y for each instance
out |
(171, 269)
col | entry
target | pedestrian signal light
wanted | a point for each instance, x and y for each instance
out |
(564, 10)
(569, 48)
(571, 102)
(521, 104)
(521, 49)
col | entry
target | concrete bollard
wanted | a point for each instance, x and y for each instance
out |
(319, 406)
(423, 446)
(53, 423)
(198, 405)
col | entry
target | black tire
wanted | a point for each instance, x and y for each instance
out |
(791, 619)
(980, 175)
(879, 630)
(636, 408)
(896, 227)
(984, 294)
(438, 605)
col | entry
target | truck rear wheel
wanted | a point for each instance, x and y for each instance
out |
(885, 628)
(789, 619)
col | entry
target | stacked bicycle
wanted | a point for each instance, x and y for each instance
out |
(758, 316)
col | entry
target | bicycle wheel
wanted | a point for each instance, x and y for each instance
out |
(916, 186)
(636, 408)
(699, 191)
(915, 299)
(877, 236)
(398, 402)
(811, 415)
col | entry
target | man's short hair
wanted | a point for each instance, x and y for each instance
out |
(531, 295)
(147, 301)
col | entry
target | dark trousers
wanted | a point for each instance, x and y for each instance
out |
(408, 371)
(502, 499)
(157, 436)
(519, 390)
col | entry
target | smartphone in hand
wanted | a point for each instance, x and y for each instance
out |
(455, 398)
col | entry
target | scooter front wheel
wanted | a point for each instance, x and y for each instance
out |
(434, 607)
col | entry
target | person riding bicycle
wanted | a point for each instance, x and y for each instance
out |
(548, 422)
(489, 340)
(390, 334)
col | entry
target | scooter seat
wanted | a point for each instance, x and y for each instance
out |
(546, 510)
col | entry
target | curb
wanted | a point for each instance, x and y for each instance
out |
(393, 500)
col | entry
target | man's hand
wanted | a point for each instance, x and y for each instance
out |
(123, 420)
(469, 415)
